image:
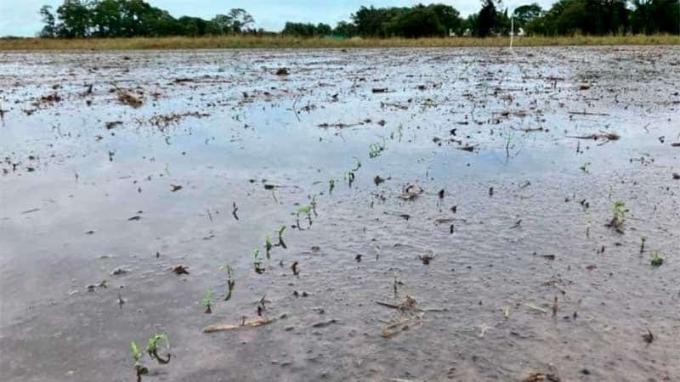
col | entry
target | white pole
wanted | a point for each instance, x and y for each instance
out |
(512, 29)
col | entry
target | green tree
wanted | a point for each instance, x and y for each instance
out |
(655, 16)
(240, 19)
(448, 16)
(345, 29)
(50, 28)
(524, 14)
(419, 21)
(486, 21)
(75, 19)
(107, 18)
(374, 22)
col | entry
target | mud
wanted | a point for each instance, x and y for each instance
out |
(450, 226)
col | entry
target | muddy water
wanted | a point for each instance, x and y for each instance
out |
(521, 220)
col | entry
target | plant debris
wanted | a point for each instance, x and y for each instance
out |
(126, 97)
(244, 324)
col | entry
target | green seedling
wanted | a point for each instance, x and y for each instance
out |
(331, 186)
(137, 355)
(584, 168)
(152, 347)
(619, 217)
(643, 240)
(351, 174)
(313, 204)
(207, 301)
(357, 166)
(656, 260)
(230, 281)
(268, 247)
(350, 178)
(281, 243)
(375, 149)
(304, 211)
(257, 262)
(261, 308)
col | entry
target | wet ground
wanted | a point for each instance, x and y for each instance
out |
(448, 214)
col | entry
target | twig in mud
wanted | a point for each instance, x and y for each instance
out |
(587, 113)
(244, 324)
(536, 308)
(407, 316)
(604, 137)
(126, 97)
(542, 377)
(411, 192)
(399, 325)
(234, 210)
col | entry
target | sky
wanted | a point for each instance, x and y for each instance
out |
(20, 17)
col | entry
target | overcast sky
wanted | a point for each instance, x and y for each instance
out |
(20, 17)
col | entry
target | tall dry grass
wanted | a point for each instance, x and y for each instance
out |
(282, 42)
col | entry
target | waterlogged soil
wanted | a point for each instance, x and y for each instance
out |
(458, 200)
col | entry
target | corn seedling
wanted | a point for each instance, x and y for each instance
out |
(305, 211)
(619, 217)
(261, 308)
(281, 243)
(257, 262)
(656, 260)
(312, 203)
(268, 247)
(643, 240)
(230, 281)
(207, 301)
(137, 355)
(331, 186)
(350, 178)
(351, 174)
(375, 149)
(152, 347)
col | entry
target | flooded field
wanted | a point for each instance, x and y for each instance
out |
(361, 215)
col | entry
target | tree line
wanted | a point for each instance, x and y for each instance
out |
(134, 18)
(131, 18)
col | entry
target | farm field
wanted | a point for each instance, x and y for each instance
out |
(411, 214)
